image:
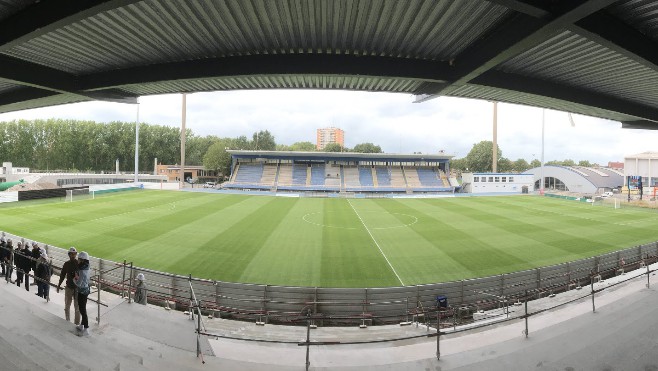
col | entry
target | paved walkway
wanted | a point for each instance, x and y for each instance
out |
(621, 335)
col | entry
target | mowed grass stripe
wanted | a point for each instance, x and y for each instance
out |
(416, 258)
(349, 256)
(603, 229)
(462, 246)
(292, 253)
(231, 251)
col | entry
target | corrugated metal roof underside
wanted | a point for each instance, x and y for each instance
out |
(613, 180)
(7, 86)
(44, 102)
(642, 14)
(575, 61)
(158, 31)
(509, 96)
(277, 82)
(9, 8)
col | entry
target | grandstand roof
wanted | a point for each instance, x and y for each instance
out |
(345, 156)
(594, 57)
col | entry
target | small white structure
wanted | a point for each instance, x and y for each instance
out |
(8, 169)
(643, 164)
(496, 182)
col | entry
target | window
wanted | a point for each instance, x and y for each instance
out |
(484, 179)
(497, 179)
(476, 179)
(504, 179)
(490, 179)
(511, 179)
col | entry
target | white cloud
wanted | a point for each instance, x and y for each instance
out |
(389, 120)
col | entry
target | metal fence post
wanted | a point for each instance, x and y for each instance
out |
(526, 313)
(98, 288)
(438, 334)
(648, 284)
(592, 287)
(123, 280)
(130, 289)
(308, 338)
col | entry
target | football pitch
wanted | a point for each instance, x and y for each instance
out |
(331, 242)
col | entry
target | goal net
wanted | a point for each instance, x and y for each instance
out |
(79, 194)
(613, 203)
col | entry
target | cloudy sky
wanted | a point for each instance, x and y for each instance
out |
(389, 120)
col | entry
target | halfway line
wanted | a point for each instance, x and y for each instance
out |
(375, 241)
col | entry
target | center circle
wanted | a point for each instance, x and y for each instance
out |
(316, 219)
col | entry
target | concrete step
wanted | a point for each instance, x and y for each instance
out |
(11, 357)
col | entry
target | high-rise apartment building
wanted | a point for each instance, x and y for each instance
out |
(330, 135)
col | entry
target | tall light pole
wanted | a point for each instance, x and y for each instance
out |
(137, 145)
(182, 143)
(494, 160)
(543, 124)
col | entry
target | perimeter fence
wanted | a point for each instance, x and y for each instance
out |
(356, 306)
(442, 308)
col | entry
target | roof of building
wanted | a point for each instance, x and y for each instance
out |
(594, 57)
(340, 156)
(643, 156)
(572, 175)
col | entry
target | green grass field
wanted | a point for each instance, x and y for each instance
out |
(331, 242)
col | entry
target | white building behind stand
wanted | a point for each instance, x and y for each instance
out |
(496, 182)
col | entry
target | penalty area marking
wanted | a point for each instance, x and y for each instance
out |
(376, 244)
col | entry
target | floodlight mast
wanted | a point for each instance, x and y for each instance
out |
(182, 142)
(137, 145)
(543, 124)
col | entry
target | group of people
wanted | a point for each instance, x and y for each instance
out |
(75, 271)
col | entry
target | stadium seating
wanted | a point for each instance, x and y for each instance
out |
(269, 174)
(397, 177)
(299, 173)
(428, 177)
(317, 175)
(411, 176)
(351, 177)
(365, 176)
(249, 173)
(285, 175)
(383, 176)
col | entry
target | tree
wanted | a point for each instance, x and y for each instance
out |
(505, 165)
(480, 156)
(217, 158)
(568, 162)
(458, 164)
(302, 147)
(521, 165)
(263, 141)
(554, 163)
(535, 163)
(334, 147)
(584, 163)
(367, 148)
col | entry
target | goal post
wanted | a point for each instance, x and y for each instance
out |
(79, 194)
(611, 202)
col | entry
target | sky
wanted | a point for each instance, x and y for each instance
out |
(389, 120)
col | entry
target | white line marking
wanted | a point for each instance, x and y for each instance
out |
(375, 241)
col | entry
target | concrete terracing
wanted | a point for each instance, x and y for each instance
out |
(620, 335)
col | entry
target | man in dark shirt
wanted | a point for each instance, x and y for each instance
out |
(36, 253)
(68, 272)
(26, 265)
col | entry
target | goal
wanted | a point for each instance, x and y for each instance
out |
(610, 202)
(79, 194)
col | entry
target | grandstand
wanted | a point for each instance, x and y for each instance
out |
(340, 172)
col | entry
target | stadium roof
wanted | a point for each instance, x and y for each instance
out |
(580, 178)
(594, 57)
(346, 156)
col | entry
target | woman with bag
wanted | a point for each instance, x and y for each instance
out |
(82, 285)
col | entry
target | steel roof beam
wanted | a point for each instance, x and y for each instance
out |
(615, 35)
(530, 85)
(517, 36)
(24, 94)
(46, 16)
(272, 64)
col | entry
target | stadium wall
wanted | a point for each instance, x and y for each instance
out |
(350, 306)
